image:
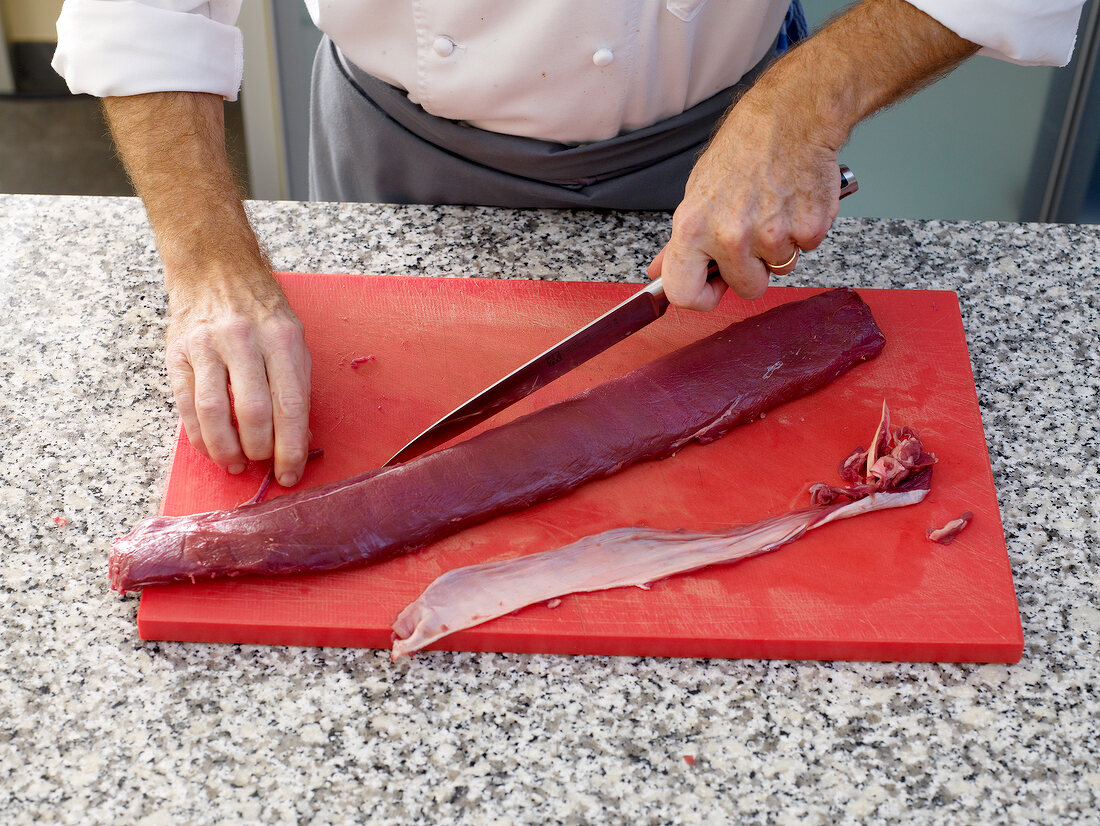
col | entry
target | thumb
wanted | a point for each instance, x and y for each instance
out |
(653, 271)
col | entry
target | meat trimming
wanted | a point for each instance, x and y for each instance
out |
(468, 596)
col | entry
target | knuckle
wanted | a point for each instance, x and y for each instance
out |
(257, 450)
(774, 235)
(237, 332)
(198, 339)
(210, 405)
(810, 236)
(730, 238)
(252, 408)
(753, 289)
(293, 456)
(288, 333)
(220, 449)
(682, 295)
(291, 404)
(688, 225)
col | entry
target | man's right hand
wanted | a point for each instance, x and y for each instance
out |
(240, 352)
(765, 188)
(234, 345)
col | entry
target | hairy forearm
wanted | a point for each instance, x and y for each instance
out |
(873, 55)
(173, 147)
(236, 353)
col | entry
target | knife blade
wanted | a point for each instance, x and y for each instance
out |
(636, 312)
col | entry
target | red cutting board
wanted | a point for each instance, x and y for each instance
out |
(867, 588)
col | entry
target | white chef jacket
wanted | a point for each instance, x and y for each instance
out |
(562, 71)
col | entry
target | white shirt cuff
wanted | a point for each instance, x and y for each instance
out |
(122, 47)
(1029, 32)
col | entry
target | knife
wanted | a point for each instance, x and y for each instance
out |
(645, 306)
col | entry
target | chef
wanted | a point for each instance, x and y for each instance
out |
(520, 103)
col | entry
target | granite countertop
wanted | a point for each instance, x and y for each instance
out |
(98, 726)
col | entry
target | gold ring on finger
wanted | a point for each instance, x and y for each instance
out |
(786, 266)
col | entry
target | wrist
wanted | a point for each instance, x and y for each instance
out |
(221, 277)
(212, 245)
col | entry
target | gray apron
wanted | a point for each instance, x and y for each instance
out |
(369, 143)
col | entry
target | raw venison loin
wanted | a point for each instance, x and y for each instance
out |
(696, 393)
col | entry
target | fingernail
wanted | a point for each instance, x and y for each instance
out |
(287, 480)
(235, 469)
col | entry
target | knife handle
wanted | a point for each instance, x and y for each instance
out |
(848, 183)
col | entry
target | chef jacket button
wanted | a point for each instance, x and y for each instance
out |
(603, 57)
(443, 46)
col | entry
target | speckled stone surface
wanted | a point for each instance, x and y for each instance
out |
(98, 727)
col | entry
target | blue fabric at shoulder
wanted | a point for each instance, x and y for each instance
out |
(794, 27)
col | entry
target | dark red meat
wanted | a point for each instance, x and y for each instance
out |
(696, 393)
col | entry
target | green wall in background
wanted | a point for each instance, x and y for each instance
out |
(960, 149)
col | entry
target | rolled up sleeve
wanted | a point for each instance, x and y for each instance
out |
(126, 47)
(1029, 32)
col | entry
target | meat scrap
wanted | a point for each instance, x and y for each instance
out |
(946, 535)
(469, 596)
(893, 457)
(269, 477)
(698, 392)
